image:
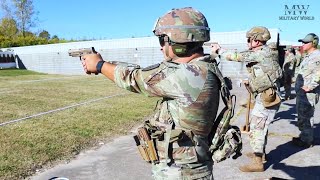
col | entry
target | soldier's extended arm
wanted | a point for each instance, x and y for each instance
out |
(216, 50)
(82, 51)
(106, 67)
(243, 56)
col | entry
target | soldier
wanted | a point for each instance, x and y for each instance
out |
(289, 67)
(273, 46)
(307, 90)
(189, 91)
(264, 71)
(298, 55)
(298, 58)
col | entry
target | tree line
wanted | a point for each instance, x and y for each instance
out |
(19, 16)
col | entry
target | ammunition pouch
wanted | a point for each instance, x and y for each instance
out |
(155, 145)
(260, 83)
(229, 144)
(183, 147)
(177, 146)
(264, 75)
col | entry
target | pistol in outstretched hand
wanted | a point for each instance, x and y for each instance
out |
(82, 51)
(209, 44)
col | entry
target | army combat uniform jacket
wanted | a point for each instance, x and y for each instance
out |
(262, 65)
(190, 100)
(264, 72)
(289, 64)
(309, 76)
(309, 72)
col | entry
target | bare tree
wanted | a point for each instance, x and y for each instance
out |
(24, 14)
(6, 9)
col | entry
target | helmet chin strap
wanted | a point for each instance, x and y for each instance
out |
(166, 50)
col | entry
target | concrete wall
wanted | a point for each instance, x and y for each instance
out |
(54, 59)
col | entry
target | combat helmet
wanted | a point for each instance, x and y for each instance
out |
(183, 25)
(259, 33)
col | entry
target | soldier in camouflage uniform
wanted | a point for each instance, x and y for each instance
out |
(264, 71)
(298, 55)
(298, 58)
(273, 46)
(289, 67)
(307, 89)
(189, 90)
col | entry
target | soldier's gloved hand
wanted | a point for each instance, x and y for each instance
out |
(90, 61)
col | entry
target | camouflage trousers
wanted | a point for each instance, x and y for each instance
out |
(261, 118)
(305, 105)
(163, 171)
(287, 84)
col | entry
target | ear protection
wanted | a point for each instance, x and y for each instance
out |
(179, 49)
(315, 42)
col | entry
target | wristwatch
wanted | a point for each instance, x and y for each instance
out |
(99, 66)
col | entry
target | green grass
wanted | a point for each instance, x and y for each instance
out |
(17, 72)
(44, 140)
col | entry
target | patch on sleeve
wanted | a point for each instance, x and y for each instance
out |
(151, 67)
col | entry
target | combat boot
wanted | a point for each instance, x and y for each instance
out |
(255, 166)
(252, 155)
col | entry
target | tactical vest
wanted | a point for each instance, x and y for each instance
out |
(187, 141)
(266, 72)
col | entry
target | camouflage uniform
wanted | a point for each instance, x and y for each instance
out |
(261, 117)
(189, 84)
(289, 66)
(264, 72)
(274, 47)
(190, 99)
(190, 96)
(298, 58)
(308, 75)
